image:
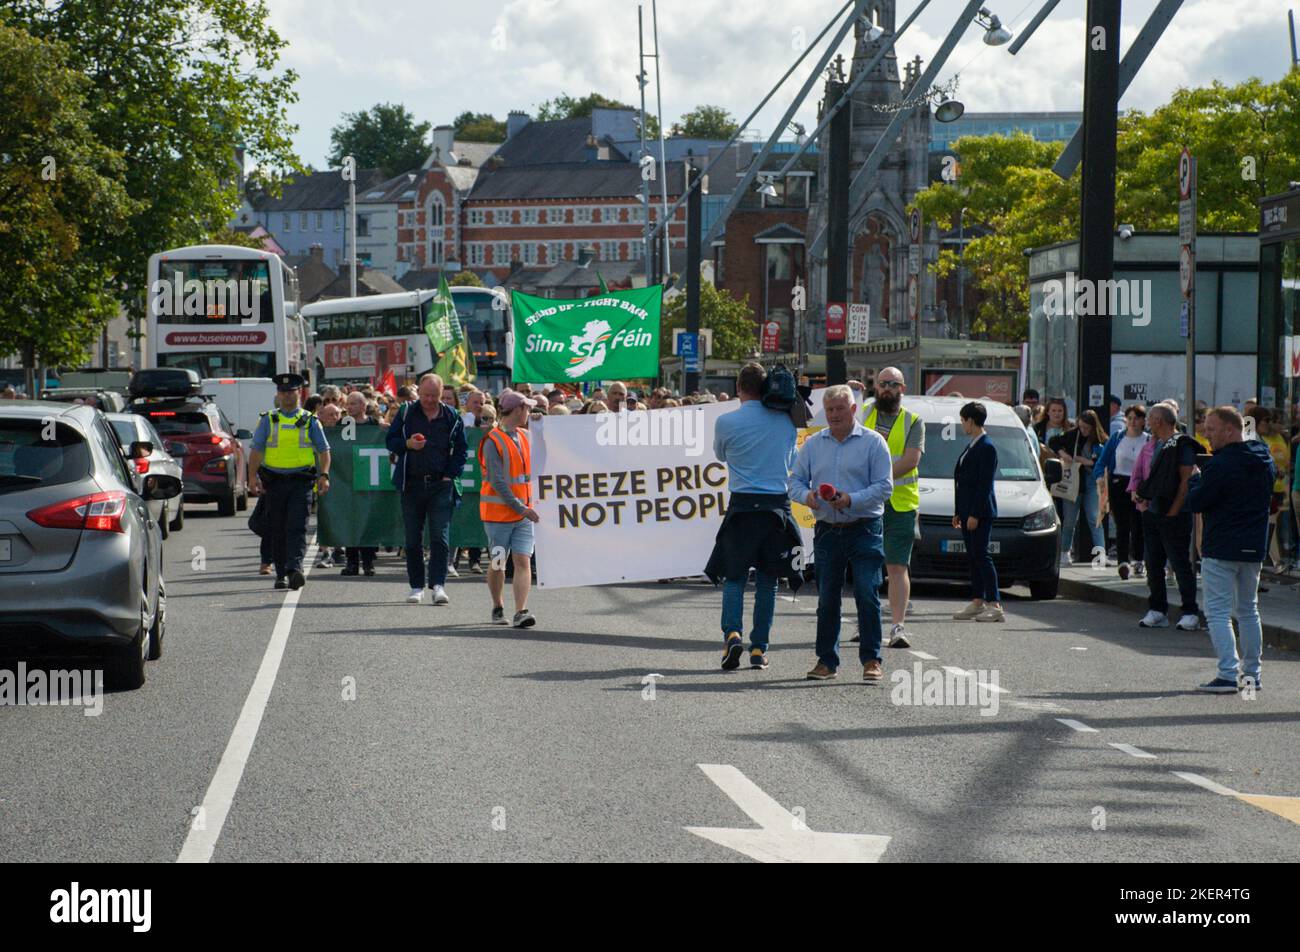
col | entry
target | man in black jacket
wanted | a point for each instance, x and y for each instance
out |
(1166, 525)
(1233, 494)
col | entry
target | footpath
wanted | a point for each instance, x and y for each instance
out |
(1279, 607)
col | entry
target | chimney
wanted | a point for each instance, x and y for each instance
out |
(516, 119)
(443, 143)
(593, 147)
(585, 255)
(317, 253)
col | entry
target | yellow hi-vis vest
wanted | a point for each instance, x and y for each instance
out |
(288, 441)
(907, 491)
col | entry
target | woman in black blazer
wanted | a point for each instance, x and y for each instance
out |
(976, 508)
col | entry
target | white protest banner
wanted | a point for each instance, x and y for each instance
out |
(627, 497)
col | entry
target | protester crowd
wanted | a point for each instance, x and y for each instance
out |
(1146, 497)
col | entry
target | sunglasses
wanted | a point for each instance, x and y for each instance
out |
(889, 383)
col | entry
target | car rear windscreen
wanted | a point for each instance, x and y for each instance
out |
(945, 441)
(179, 422)
(28, 459)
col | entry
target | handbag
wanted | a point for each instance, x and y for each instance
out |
(1067, 487)
(259, 520)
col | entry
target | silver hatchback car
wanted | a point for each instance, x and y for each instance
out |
(80, 553)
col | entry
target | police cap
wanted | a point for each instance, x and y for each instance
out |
(285, 382)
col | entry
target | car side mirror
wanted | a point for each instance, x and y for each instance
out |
(1053, 471)
(160, 486)
(243, 435)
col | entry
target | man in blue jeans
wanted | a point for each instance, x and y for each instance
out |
(1233, 493)
(855, 463)
(427, 440)
(758, 532)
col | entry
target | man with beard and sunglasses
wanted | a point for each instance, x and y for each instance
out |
(905, 434)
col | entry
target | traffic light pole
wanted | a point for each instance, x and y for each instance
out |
(837, 226)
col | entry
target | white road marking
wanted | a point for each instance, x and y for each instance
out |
(1073, 648)
(783, 837)
(1079, 726)
(788, 598)
(1133, 751)
(1205, 782)
(200, 843)
(963, 673)
(959, 672)
(923, 656)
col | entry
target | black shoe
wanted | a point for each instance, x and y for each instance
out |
(734, 649)
(281, 583)
(350, 570)
(757, 658)
(368, 570)
(296, 580)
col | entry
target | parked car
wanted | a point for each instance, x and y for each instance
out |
(1025, 543)
(214, 462)
(133, 428)
(110, 401)
(80, 554)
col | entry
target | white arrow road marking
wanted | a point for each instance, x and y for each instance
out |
(783, 838)
(200, 843)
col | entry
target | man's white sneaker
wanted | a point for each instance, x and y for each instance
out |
(1188, 623)
(1154, 619)
(1066, 561)
(451, 572)
(898, 638)
(415, 597)
(440, 596)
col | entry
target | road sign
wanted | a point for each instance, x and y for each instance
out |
(914, 226)
(913, 259)
(782, 836)
(1186, 222)
(1184, 315)
(1186, 271)
(859, 323)
(1185, 174)
(706, 341)
(913, 297)
(690, 352)
(771, 337)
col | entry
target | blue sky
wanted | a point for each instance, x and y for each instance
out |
(440, 57)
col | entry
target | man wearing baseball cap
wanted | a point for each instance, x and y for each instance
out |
(506, 505)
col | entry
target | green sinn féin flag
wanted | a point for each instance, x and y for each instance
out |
(455, 364)
(606, 337)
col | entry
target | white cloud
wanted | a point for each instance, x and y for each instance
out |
(444, 57)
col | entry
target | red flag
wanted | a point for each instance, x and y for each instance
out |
(389, 383)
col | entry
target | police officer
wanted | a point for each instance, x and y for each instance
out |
(290, 453)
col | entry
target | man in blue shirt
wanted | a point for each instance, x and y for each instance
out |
(757, 444)
(855, 463)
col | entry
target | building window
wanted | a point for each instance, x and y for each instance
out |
(435, 210)
(500, 253)
(477, 216)
(638, 250)
(302, 221)
(530, 252)
(320, 221)
(554, 252)
(582, 215)
(529, 216)
(434, 216)
(363, 226)
(475, 251)
(338, 221)
(287, 224)
(609, 251)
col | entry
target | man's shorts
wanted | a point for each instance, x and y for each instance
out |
(509, 537)
(900, 532)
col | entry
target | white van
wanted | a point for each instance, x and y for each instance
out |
(1025, 543)
(242, 399)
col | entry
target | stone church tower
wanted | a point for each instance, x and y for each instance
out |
(878, 229)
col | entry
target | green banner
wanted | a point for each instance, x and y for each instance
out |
(362, 508)
(611, 336)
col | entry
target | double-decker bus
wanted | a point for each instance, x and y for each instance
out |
(225, 311)
(361, 338)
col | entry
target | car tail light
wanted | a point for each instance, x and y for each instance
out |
(101, 511)
(162, 412)
(142, 464)
(215, 466)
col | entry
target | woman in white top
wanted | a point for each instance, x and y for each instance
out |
(1113, 472)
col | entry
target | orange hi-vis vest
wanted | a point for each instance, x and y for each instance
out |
(520, 459)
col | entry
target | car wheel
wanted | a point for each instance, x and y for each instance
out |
(1045, 588)
(159, 629)
(226, 504)
(178, 523)
(124, 670)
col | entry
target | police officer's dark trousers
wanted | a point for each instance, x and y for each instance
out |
(288, 499)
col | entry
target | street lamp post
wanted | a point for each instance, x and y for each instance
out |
(961, 272)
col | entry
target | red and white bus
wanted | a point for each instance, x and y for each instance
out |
(225, 311)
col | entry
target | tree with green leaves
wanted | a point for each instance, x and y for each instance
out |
(735, 334)
(479, 127)
(706, 122)
(1247, 142)
(464, 279)
(63, 206)
(385, 137)
(565, 106)
(174, 87)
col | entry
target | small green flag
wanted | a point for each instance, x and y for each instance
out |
(455, 365)
(604, 288)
